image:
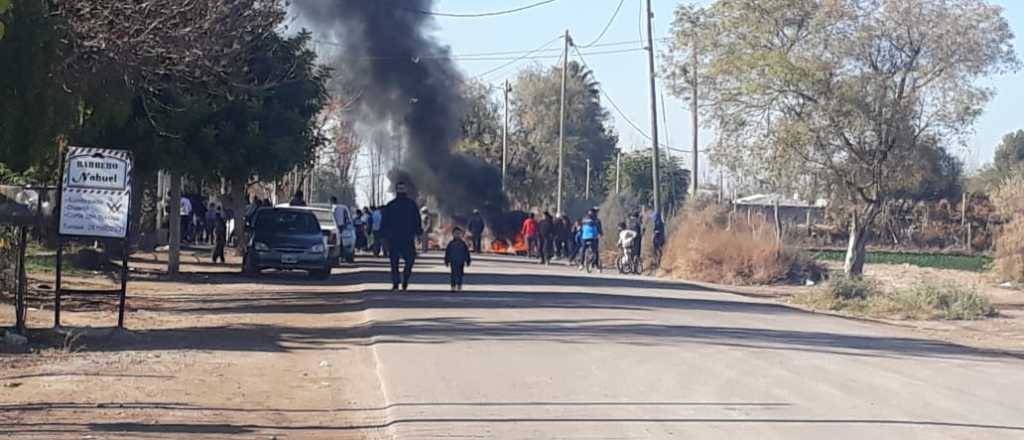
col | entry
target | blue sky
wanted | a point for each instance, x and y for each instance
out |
(623, 74)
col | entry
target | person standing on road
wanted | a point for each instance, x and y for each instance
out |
(376, 218)
(546, 237)
(400, 225)
(563, 230)
(456, 256)
(658, 241)
(476, 230)
(186, 219)
(529, 233)
(220, 237)
(427, 220)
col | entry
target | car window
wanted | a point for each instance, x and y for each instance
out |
(287, 222)
(326, 219)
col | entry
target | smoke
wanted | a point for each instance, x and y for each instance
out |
(403, 76)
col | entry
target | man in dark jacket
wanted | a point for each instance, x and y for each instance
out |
(476, 229)
(400, 225)
(546, 237)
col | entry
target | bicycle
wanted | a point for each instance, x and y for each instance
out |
(588, 264)
(629, 264)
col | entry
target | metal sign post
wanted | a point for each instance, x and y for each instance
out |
(95, 202)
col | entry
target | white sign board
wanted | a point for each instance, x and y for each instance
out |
(96, 193)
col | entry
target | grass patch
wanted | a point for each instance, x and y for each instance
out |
(48, 263)
(923, 301)
(969, 263)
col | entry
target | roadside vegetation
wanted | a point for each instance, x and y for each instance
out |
(709, 245)
(924, 300)
(1009, 196)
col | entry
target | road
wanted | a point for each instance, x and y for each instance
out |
(525, 352)
(531, 352)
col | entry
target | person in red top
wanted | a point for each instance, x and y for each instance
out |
(529, 233)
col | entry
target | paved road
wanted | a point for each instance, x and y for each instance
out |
(529, 352)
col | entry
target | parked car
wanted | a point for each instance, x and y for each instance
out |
(346, 229)
(286, 239)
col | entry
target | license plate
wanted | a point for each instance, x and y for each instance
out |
(289, 259)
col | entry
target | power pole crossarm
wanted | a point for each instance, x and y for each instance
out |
(655, 155)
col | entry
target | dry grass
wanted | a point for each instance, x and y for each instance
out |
(922, 301)
(1009, 202)
(707, 245)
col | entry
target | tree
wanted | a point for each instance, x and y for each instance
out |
(5, 6)
(170, 43)
(481, 123)
(534, 146)
(636, 179)
(1010, 153)
(847, 89)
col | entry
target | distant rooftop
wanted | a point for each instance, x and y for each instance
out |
(772, 199)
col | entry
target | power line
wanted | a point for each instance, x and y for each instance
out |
(606, 27)
(623, 114)
(545, 46)
(480, 14)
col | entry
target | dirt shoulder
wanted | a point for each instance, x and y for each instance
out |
(207, 355)
(1003, 333)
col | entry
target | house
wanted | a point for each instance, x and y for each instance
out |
(791, 210)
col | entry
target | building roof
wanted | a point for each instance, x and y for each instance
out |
(772, 199)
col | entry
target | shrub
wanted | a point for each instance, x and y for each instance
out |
(924, 300)
(852, 288)
(947, 301)
(707, 244)
(1009, 202)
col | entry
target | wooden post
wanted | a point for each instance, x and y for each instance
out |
(964, 225)
(778, 223)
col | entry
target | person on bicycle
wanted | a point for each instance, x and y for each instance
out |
(627, 239)
(590, 233)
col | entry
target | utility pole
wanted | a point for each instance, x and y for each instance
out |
(504, 139)
(561, 121)
(588, 179)
(655, 155)
(618, 172)
(694, 185)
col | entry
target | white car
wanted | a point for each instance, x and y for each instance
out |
(347, 230)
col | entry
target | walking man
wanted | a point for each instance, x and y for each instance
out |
(546, 237)
(529, 233)
(400, 225)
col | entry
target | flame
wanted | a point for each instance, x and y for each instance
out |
(519, 246)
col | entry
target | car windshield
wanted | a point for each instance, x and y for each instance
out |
(287, 222)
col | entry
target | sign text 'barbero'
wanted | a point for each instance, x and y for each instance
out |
(100, 173)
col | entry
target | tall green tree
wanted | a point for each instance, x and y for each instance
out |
(1010, 152)
(636, 179)
(847, 89)
(534, 148)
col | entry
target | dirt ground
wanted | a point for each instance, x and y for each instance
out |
(184, 368)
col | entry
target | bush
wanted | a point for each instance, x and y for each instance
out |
(947, 301)
(923, 301)
(707, 244)
(852, 288)
(1009, 201)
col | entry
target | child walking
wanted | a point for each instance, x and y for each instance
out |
(456, 256)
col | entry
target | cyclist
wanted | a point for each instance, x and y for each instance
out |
(627, 239)
(590, 233)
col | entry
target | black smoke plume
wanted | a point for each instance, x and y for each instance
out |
(400, 73)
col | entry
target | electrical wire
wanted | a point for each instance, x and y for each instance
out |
(503, 66)
(480, 14)
(606, 27)
(623, 114)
